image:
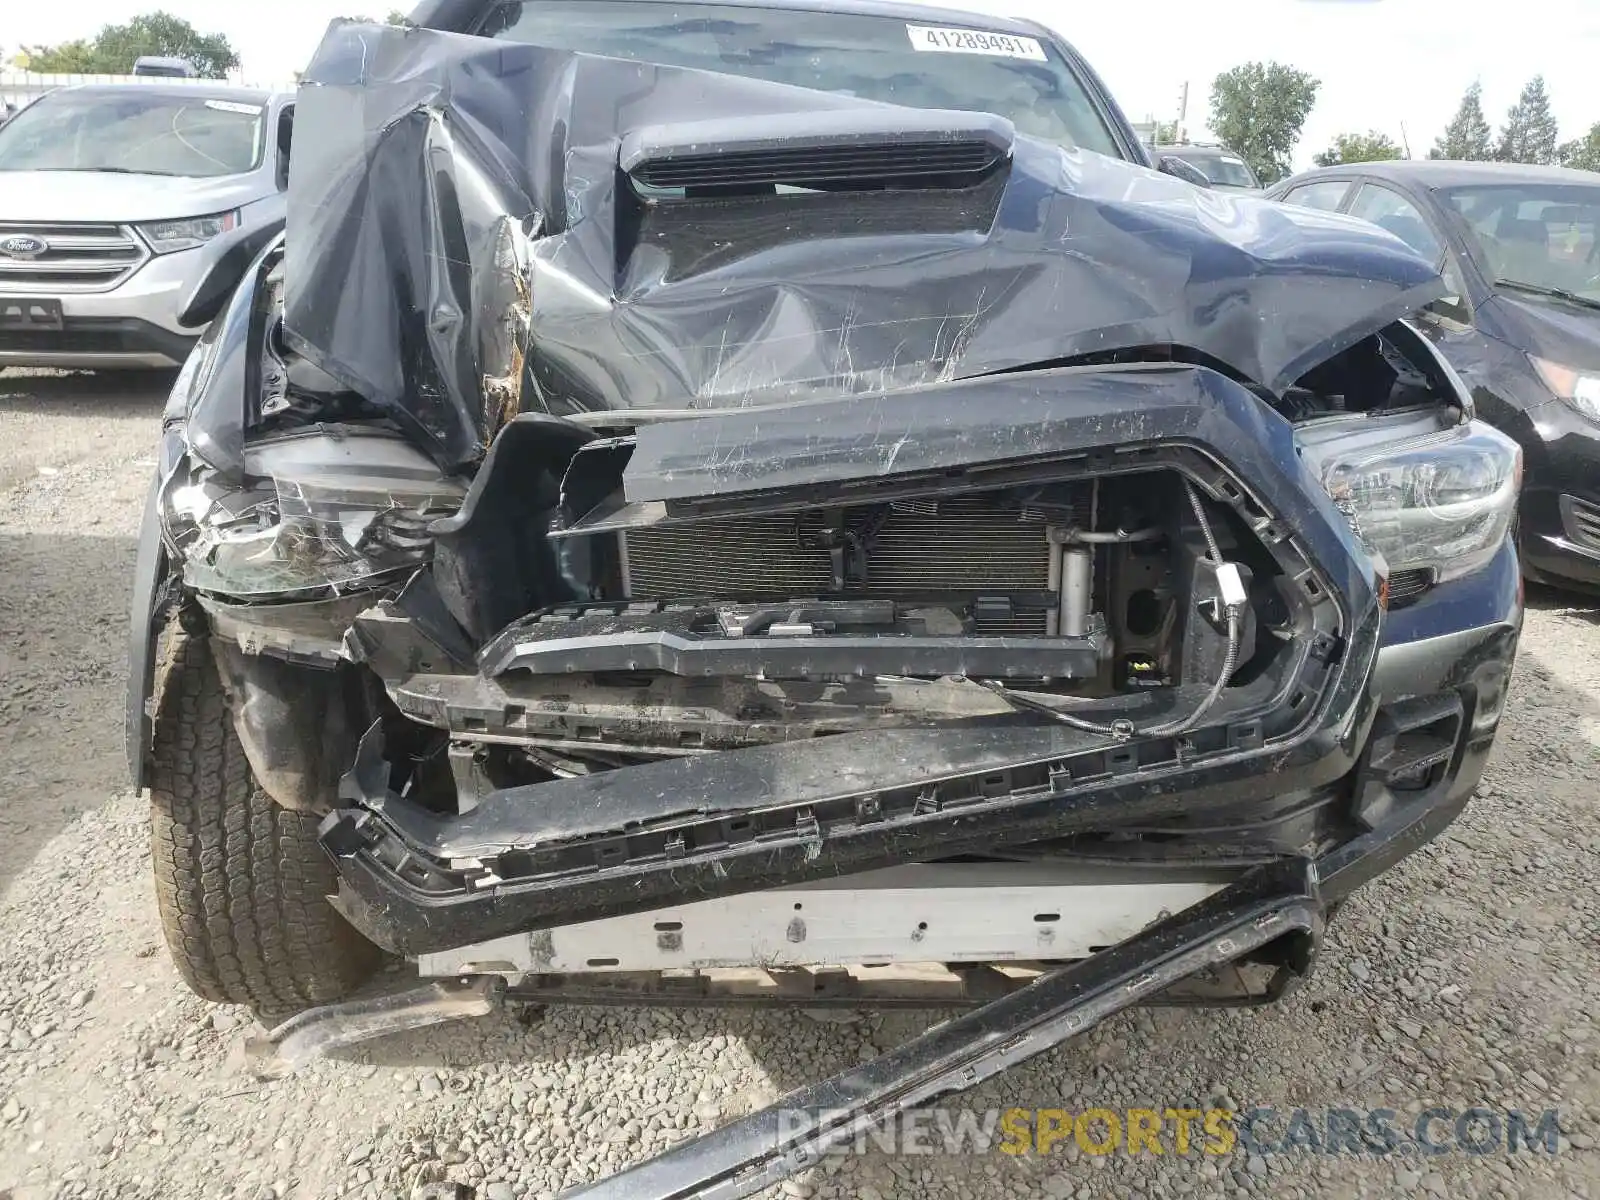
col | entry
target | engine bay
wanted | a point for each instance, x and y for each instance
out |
(718, 633)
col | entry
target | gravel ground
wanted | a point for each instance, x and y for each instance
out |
(1468, 976)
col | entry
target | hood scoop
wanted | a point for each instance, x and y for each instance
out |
(862, 149)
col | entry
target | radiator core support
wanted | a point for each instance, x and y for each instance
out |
(991, 554)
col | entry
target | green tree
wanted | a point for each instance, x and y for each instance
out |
(1258, 110)
(1467, 137)
(1530, 131)
(1582, 153)
(1358, 147)
(1166, 134)
(115, 49)
(69, 58)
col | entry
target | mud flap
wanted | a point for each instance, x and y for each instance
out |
(1265, 905)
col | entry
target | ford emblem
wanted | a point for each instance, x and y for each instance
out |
(22, 245)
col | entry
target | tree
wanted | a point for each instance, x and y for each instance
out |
(1530, 131)
(1358, 147)
(116, 48)
(69, 58)
(1582, 153)
(1258, 110)
(1166, 134)
(1468, 136)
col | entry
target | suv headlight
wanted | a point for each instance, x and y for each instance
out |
(322, 514)
(168, 237)
(1578, 388)
(1422, 497)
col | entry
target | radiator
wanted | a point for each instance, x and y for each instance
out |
(970, 545)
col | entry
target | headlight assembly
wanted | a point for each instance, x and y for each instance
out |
(1420, 496)
(1578, 388)
(168, 237)
(322, 514)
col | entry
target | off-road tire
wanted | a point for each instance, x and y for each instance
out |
(241, 883)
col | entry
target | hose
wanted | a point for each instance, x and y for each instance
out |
(1124, 730)
(1205, 525)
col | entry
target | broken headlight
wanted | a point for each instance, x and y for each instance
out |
(323, 512)
(1421, 496)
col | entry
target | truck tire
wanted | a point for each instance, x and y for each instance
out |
(241, 883)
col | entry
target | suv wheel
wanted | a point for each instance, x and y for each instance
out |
(241, 883)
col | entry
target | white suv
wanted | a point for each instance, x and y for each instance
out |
(121, 207)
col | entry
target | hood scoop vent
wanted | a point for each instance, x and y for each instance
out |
(856, 149)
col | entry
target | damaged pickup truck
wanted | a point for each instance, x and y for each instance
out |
(646, 520)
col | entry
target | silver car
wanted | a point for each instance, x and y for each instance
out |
(127, 212)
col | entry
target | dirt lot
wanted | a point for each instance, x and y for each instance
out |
(1468, 977)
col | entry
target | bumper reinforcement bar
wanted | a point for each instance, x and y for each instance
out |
(1266, 905)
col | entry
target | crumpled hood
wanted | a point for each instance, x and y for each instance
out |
(65, 197)
(463, 244)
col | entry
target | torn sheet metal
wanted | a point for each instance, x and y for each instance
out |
(459, 204)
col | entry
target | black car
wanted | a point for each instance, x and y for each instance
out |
(1222, 168)
(1520, 247)
(663, 506)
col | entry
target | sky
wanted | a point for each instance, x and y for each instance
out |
(1397, 66)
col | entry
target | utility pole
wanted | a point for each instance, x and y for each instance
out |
(1183, 113)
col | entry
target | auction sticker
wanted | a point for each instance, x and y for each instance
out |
(974, 41)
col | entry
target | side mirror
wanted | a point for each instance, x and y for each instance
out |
(1451, 311)
(1171, 164)
(1453, 308)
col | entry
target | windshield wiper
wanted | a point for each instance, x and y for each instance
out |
(1538, 289)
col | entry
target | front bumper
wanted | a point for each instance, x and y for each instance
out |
(1560, 508)
(90, 343)
(1390, 774)
(1418, 765)
(1327, 746)
(1272, 917)
(135, 325)
(1272, 914)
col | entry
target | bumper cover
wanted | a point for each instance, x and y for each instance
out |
(96, 342)
(1559, 512)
